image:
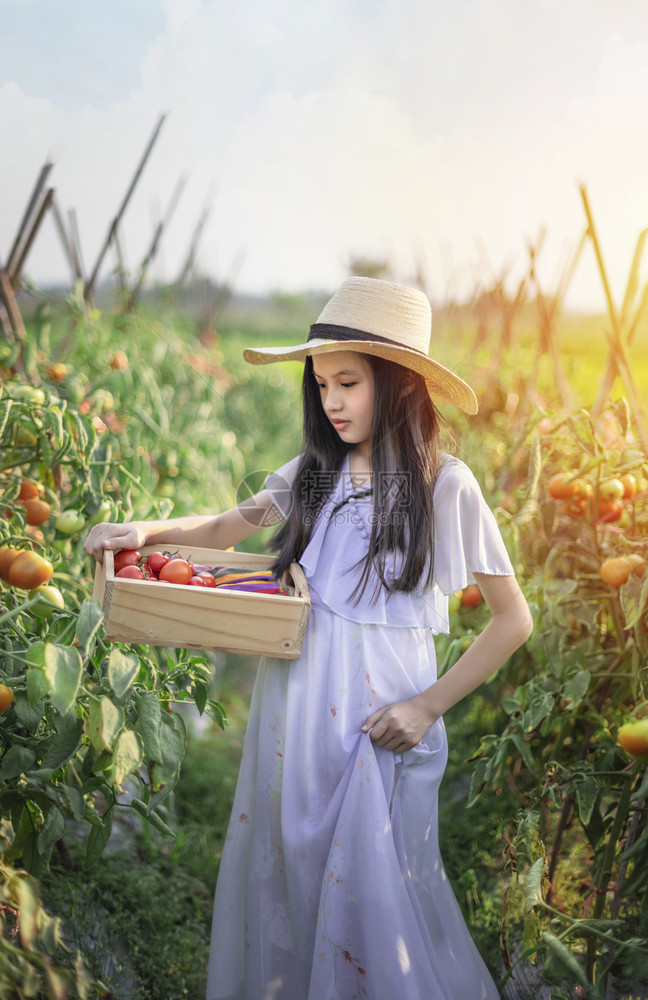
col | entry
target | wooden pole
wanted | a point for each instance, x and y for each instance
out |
(16, 270)
(618, 354)
(14, 253)
(114, 225)
(155, 243)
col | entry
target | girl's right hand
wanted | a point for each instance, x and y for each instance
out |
(108, 535)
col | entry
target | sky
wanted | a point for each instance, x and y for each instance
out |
(440, 137)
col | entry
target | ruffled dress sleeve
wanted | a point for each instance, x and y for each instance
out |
(467, 538)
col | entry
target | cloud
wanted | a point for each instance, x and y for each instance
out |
(335, 128)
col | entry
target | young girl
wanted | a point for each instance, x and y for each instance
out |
(331, 884)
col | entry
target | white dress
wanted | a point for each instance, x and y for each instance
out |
(331, 884)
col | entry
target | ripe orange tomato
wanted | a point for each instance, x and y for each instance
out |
(638, 564)
(562, 486)
(6, 697)
(7, 555)
(37, 511)
(29, 570)
(633, 737)
(29, 490)
(629, 485)
(119, 361)
(471, 596)
(177, 571)
(56, 371)
(616, 570)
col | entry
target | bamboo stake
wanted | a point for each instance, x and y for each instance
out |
(26, 246)
(65, 240)
(76, 241)
(89, 289)
(618, 355)
(31, 206)
(548, 340)
(157, 236)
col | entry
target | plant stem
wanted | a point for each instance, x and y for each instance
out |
(605, 871)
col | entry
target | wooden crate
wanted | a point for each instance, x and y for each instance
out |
(168, 614)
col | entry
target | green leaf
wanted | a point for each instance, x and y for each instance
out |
(63, 669)
(586, 793)
(105, 720)
(75, 801)
(566, 962)
(534, 885)
(634, 599)
(88, 625)
(523, 748)
(576, 686)
(37, 685)
(200, 692)
(99, 837)
(52, 829)
(152, 817)
(165, 769)
(127, 756)
(122, 671)
(477, 780)
(28, 712)
(149, 723)
(69, 733)
(16, 761)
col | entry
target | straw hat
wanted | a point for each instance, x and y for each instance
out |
(371, 316)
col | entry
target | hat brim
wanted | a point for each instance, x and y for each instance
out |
(442, 384)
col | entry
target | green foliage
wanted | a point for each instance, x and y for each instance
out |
(86, 717)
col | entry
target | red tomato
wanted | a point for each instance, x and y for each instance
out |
(197, 581)
(610, 510)
(126, 557)
(177, 571)
(130, 572)
(208, 578)
(156, 560)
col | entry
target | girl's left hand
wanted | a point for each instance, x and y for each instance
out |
(400, 726)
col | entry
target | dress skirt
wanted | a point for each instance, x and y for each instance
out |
(331, 885)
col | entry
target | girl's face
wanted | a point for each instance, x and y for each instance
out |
(346, 385)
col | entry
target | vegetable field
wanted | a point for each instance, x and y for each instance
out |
(121, 414)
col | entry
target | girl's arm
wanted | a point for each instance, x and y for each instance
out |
(208, 531)
(400, 726)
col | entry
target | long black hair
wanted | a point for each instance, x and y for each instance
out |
(405, 458)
